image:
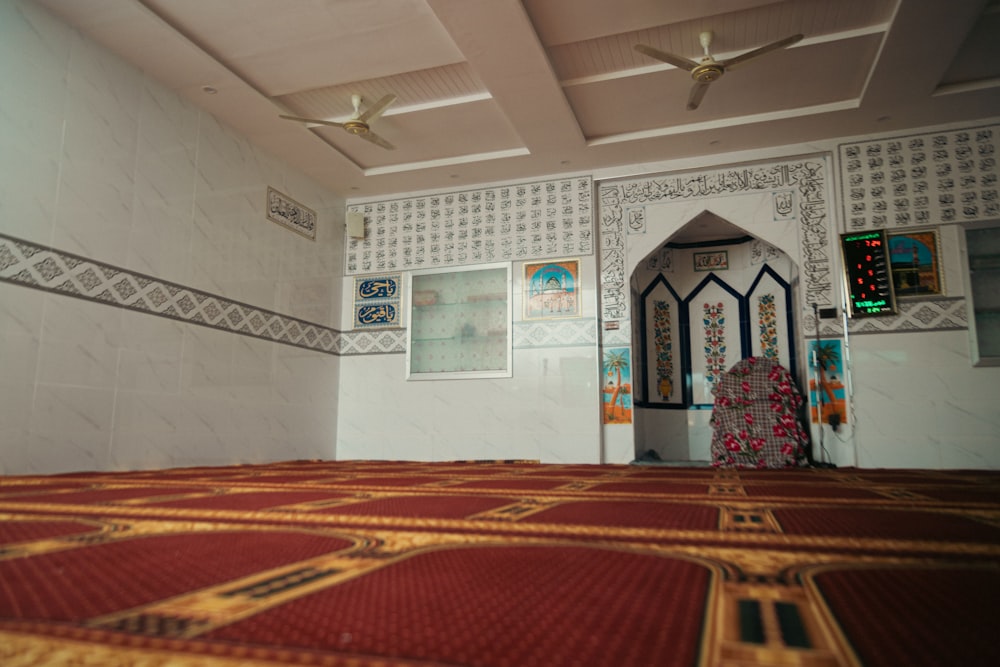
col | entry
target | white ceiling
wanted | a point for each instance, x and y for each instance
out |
(501, 90)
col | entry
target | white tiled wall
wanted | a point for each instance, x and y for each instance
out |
(919, 403)
(97, 160)
(549, 410)
(100, 161)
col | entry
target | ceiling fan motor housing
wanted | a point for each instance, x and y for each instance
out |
(356, 127)
(707, 72)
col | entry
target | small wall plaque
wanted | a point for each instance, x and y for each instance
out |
(289, 213)
(376, 301)
(711, 261)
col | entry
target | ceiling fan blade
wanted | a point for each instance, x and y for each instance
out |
(374, 111)
(377, 140)
(312, 120)
(774, 46)
(669, 58)
(698, 91)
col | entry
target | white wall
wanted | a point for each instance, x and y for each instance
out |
(919, 404)
(549, 410)
(99, 161)
(918, 400)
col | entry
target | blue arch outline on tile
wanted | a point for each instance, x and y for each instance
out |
(789, 314)
(743, 324)
(684, 346)
(684, 331)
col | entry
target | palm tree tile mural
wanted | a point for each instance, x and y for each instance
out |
(617, 391)
(830, 397)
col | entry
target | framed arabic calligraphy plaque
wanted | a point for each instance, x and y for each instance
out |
(377, 301)
(460, 323)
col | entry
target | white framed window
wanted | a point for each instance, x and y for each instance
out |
(459, 323)
(983, 253)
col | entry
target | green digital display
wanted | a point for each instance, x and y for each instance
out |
(866, 272)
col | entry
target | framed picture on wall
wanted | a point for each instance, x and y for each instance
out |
(551, 289)
(915, 260)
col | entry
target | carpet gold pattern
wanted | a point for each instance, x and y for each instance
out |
(493, 564)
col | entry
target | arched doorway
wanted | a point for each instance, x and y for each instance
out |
(709, 295)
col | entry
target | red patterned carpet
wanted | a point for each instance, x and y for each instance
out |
(365, 564)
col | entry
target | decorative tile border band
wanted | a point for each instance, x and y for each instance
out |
(577, 332)
(32, 265)
(942, 314)
(918, 315)
(380, 341)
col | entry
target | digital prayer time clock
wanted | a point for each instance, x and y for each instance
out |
(866, 272)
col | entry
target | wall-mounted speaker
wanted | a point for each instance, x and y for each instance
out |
(356, 224)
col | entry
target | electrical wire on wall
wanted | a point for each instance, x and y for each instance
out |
(848, 367)
(832, 418)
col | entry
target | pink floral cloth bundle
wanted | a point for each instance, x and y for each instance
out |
(756, 418)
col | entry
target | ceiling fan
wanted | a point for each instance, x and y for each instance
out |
(710, 69)
(358, 123)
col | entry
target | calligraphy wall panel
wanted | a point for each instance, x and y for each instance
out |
(377, 301)
(763, 199)
(921, 179)
(517, 222)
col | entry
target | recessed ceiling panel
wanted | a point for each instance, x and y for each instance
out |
(566, 21)
(441, 134)
(282, 47)
(435, 86)
(732, 33)
(779, 81)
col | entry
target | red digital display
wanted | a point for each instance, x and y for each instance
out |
(868, 280)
